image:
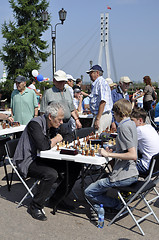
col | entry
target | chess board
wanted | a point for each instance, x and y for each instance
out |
(87, 146)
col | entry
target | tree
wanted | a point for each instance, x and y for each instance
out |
(24, 50)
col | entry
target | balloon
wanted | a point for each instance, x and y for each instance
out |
(40, 77)
(35, 73)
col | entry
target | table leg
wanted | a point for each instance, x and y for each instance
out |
(66, 191)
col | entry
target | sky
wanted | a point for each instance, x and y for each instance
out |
(133, 31)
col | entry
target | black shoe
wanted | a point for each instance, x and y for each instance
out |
(36, 213)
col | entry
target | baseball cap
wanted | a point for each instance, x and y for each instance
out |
(125, 79)
(77, 90)
(60, 76)
(95, 68)
(69, 77)
(20, 79)
(110, 82)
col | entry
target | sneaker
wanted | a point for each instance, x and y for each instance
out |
(93, 215)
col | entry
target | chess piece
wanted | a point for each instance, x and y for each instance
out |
(57, 147)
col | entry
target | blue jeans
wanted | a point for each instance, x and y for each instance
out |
(140, 167)
(97, 192)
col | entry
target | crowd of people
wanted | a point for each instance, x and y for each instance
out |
(60, 107)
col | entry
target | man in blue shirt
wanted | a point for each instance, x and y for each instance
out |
(100, 99)
(118, 93)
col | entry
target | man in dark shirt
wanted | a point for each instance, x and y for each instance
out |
(41, 134)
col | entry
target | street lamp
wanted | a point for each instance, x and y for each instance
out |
(62, 17)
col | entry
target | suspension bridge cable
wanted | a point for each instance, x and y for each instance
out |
(76, 54)
(86, 55)
(112, 57)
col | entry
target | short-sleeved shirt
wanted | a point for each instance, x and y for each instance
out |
(126, 139)
(23, 105)
(148, 143)
(148, 93)
(100, 92)
(54, 95)
(70, 89)
(32, 86)
(76, 104)
(118, 94)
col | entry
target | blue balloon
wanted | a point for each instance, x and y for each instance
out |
(40, 77)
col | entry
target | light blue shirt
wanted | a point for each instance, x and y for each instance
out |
(100, 92)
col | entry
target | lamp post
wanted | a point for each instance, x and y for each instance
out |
(62, 17)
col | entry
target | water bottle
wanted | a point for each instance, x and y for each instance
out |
(101, 213)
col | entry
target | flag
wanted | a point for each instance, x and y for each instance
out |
(108, 7)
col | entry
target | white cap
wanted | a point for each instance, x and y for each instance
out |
(110, 82)
(69, 77)
(60, 76)
(125, 79)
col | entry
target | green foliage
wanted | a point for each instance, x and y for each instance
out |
(24, 49)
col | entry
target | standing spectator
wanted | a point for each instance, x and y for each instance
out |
(121, 91)
(100, 99)
(78, 85)
(86, 102)
(139, 101)
(147, 94)
(24, 105)
(77, 100)
(70, 83)
(58, 93)
(32, 86)
(112, 85)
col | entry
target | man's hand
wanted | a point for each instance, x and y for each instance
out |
(113, 126)
(59, 137)
(10, 119)
(104, 152)
(78, 124)
(96, 123)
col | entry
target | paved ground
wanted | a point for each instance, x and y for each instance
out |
(17, 224)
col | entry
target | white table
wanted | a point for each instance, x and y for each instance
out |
(54, 154)
(7, 112)
(85, 115)
(11, 130)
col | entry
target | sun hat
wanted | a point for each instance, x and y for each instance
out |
(69, 77)
(110, 82)
(95, 68)
(60, 76)
(125, 79)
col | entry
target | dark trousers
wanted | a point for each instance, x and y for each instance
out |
(147, 105)
(47, 171)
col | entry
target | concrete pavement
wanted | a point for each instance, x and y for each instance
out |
(17, 224)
